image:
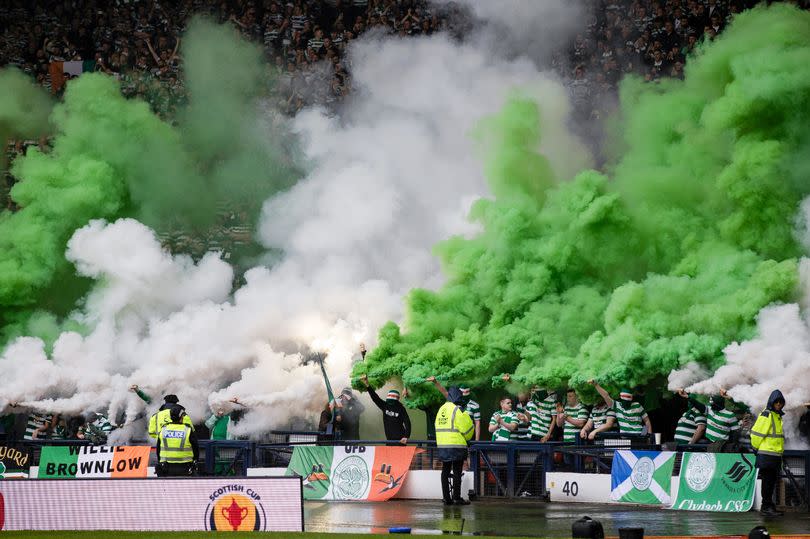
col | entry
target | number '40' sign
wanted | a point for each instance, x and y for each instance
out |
(570, 488)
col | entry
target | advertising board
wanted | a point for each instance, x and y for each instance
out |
(187, 504)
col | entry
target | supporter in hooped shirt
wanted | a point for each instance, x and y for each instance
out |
(630, 414)
(504, 423)
(602, 419)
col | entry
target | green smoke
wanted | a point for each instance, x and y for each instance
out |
(113, 157)
(24, 107)
(624, 278)
(24, 111)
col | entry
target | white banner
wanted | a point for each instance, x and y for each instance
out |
(233, 504)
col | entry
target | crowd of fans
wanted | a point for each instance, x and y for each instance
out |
(304, 43)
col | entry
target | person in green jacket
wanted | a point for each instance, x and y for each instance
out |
(219, 422)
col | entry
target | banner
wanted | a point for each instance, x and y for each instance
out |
(14, 461)
(176, 504)
(373, 473)
(716, 482)
(642, 477)
(60, 462)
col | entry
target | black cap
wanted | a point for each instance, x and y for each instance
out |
(176, 413)
(171, 399)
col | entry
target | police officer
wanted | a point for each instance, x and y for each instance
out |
(454, 428)
(161, 417)
(768, 440)
(177, 447)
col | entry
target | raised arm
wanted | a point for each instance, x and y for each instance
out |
(143, 396)
(373, 394)
(603, 392)
(438, 385)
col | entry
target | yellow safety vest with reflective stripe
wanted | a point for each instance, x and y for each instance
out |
(454, 427)
(161, 418)
(766, 434)
(175, 444)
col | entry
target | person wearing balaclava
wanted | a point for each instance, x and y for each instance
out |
(692, 424)
(721, 423)
(768, 440)
(630, 414)
(454, 428)
(396, 423)
(347, 414)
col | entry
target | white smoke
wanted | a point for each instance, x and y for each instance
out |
(691, 373)
(390, 177)
(778, 358)
(525, 26)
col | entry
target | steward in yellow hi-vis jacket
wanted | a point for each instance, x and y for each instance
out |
(454, 428)
(768, 440)
(161, 417)
(177, 447)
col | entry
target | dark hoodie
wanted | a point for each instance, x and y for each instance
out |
(454, 395)
(776, 396)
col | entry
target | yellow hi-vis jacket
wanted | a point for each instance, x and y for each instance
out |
(161, 418)
(766, 434)
(175, 444)
(454, 426)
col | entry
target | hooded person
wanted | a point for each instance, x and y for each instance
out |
(454, 428)
(396, 423)
(768, 440)
(470, 405)
(347, 414)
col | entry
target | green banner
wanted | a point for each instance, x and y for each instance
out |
(716, 482)
(58, 462)
(314, 464)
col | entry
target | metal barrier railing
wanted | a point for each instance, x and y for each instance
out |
(500, 469)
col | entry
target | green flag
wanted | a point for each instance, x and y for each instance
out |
(716, 482)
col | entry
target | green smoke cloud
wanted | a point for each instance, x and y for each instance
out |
(24, 107)
(625, 278)
(113, 157)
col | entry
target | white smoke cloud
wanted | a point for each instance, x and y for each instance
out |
(691, 373)
(778, 358)
(395, 173)
(526, 27)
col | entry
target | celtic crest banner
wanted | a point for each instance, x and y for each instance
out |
(641, 476)
(716, 482)
(351, 472)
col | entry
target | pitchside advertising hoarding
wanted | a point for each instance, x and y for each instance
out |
(254, 504)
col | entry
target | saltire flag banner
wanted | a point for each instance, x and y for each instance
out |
(373, 473)
(716, 482)
(642, 477)
(93, 461)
